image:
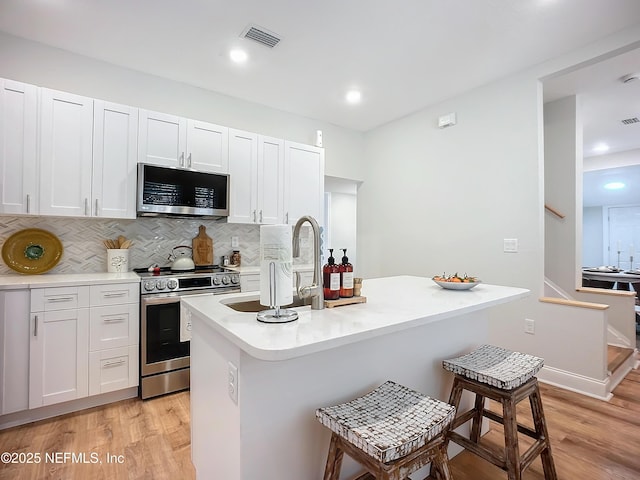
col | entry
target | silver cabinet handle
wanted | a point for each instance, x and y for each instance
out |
(286, 218)
(254, 216)
(97, 209)
(114, 294)
(35, 325)
(59, 299)
(181, 160)
(189, 161)
(113, 320)
(260, 216)
(28, 203)
(113, 364)
(86, 206)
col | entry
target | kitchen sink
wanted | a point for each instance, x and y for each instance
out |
(244, 304)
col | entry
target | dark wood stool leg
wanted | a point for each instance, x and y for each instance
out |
(512, 450)
(541, 429)
(476, 425)
(334, 459)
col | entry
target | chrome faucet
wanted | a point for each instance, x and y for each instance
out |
(315, 290)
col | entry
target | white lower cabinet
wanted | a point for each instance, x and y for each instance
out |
(58, 370)
(14, 354)
(113, 369)
(82, 341)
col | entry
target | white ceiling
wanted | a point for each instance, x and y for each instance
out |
(403, 55)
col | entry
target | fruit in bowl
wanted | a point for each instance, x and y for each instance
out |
(456, 282)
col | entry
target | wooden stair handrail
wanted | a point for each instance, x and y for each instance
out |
(554, 211)
(574, 303)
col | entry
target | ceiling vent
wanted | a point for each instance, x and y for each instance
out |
(629, 121)
(261, 35)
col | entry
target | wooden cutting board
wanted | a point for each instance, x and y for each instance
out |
(202, 247)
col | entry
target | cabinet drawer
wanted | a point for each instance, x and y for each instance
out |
(250, 283)
(113, 369)
(59, 298)
(115, 293)
(113, 326)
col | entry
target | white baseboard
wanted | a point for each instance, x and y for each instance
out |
(28, 416)
(576, 383)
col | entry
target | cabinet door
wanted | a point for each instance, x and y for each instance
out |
(270, 180)
(14, 357)
(18, 130)
(207, 147)
(162, 139)
(304, 182)
(66, 143)
(115, 144)
(243, 156)
(58, 356)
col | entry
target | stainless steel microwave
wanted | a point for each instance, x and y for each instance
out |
(167, 191)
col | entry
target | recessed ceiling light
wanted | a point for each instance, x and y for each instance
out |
(601, 147)
(353, 96)
(238, 56)
(614, 186)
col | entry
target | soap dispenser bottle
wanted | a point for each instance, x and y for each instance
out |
(346, 276)
(331, 278)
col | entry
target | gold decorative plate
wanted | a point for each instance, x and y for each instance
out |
(32, 251)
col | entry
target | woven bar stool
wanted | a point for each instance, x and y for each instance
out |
(392, 431)
(506, 377)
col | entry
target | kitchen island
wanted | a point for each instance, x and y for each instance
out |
(255, 387)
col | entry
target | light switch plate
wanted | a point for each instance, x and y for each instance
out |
(234, 242)
(510, 245)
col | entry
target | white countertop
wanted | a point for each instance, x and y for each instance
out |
(393, 304)
(10, 282)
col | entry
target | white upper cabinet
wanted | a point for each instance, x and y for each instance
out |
(256, 167)
(174, 141)
(303, 182)
(270, 180)
(18, 154)
(115, 141)
(66, 144)
(243, 190)
(207, 147)
(87, 157)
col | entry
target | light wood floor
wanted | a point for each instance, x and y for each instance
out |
(591, 440)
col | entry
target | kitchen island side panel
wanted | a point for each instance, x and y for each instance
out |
(272, 432)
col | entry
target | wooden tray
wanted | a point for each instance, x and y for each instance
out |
(344, 301)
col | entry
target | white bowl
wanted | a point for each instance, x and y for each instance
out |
(457, 285)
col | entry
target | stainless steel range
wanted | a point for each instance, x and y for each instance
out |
(164, 356)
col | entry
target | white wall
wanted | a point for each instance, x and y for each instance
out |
(563, 191)
(44, 66)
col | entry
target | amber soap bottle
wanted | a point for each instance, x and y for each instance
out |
(346, 276)
(331, 278)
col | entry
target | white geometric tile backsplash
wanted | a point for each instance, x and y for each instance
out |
(153, 238)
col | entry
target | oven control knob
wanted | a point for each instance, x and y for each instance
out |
(161, 284)
(172, 283)
(225, 280)
(149, 285)
(216, 280)
(235, 279)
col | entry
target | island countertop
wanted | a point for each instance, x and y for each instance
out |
(393, 304)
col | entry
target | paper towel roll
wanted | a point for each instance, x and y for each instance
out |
(275, 249)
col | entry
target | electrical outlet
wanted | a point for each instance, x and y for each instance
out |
(235, 243)
(233, 382)
(529, 326)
